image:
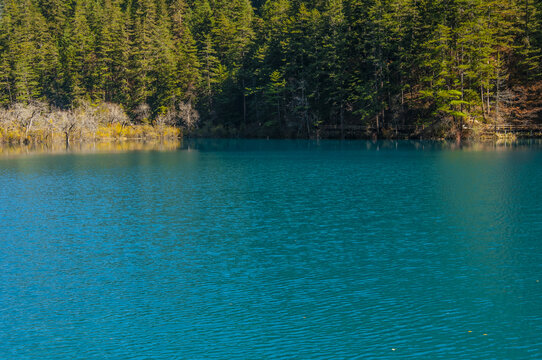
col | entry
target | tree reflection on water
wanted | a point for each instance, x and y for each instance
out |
(8, 150)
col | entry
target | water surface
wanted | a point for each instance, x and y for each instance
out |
(230, 249)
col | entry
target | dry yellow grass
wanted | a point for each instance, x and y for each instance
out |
(113, 132)
(37, 122)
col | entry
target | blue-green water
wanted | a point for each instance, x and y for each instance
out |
(273, 249)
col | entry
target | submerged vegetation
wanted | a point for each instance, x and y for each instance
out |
(275, 68)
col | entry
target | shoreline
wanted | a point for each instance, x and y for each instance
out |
(483, 134)
(91, 147)
(104, 146)
(144, 133)
(18, 135)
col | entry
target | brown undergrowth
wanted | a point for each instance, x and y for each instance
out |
(37, 123)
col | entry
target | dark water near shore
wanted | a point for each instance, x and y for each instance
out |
(273, 249)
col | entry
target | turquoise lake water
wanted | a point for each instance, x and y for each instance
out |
(253, 249)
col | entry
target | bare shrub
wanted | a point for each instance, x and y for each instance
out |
(188, 115)
(168, 118)
(66, 122)
(111, 114)
(142, 113)
(28, 115)
(36, 121)
(6, 121)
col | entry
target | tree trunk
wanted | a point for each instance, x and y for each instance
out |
(462, 82)
(278, 113)
(488, 103)
(28, 127)
(342, 121)
(244, 106)
(483, 105)
(403, 106)
(383, 119)
(497, 89)
(189, 116)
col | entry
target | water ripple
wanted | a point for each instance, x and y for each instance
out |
(272, 250)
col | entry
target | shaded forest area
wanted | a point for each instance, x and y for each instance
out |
(279, 68)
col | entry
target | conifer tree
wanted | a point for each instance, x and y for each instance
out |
(29, 52)
(284, 65)
(188, 65)
(143, 43)
(112, 52)
(79, 58)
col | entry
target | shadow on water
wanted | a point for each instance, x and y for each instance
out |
(235, 145)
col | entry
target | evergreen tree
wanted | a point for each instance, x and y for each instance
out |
(142, 49)
(78, 55)
(285, 66)
(188, 75)
(112, 51)
(29, 55)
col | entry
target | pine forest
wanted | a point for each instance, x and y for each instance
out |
(275, 68)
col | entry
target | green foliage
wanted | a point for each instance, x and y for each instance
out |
(286, 65)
